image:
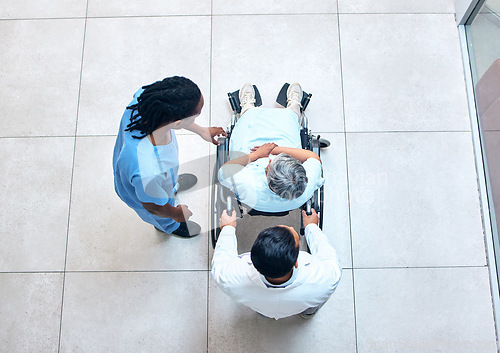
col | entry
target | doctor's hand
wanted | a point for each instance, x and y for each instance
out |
(313, 218)
(183, 213)
(226, 220)
(209, 133)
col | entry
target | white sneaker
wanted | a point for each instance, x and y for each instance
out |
(247, 97)
(294, 95)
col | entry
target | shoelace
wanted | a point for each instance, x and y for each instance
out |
(294, 98)
(247, 98)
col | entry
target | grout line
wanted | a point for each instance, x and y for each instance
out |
(100, 17)
(134, 271)
(316, 132)
(35, 137)
(220, 15)
(72, 178)
(419, 267)
(332, 13)
(396, 13)
(28, 272)
(42, 18)
(149, 16)
(393, 131)
(209, 238)
(347, 177)
(409, 132)
(208, 270)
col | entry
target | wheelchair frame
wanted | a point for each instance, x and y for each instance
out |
(223, 199)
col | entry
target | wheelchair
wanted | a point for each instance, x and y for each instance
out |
(223, 199)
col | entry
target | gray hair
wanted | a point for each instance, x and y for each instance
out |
(286, 177)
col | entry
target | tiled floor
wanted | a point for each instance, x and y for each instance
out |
(80, 272)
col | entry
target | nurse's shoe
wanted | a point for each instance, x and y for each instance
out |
(247, 97)
(187, 229)
(186, 181)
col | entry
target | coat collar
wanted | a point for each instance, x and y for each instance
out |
(303, 260)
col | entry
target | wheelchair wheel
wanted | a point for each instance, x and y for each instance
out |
(324, 143)
(215, 200)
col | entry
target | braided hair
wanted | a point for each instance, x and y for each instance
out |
(171, 99)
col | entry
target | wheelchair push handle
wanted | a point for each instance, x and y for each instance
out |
(308, 208)
(229, 207)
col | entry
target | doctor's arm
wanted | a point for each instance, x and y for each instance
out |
(225, 259)
(317, 241)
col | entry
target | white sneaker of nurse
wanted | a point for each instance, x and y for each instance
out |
(247, 97)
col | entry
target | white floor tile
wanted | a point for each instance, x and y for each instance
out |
(135, 312)
(278, 49)
(40, 62)
(396, 6)
(105, 234)
(336, 207)
(424, 310)
(234, 327)
(260, 7)
(409, 197)
(153, 8)
(402, 73)
(30, 304)
(414, 200)
(124, 54)
(12, 9)
(36, 180)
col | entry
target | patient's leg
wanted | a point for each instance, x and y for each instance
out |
(293, 99)
(247, 97)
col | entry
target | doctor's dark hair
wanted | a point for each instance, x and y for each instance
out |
(171, 99)
(275, 252)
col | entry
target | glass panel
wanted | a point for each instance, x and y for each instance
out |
(483, 38)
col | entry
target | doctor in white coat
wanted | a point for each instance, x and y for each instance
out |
(275, 278)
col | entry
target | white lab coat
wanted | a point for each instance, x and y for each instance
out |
(311, 285)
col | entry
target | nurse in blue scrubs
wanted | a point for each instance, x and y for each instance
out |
(146, 156)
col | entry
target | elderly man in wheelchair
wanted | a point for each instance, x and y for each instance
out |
(269, 168)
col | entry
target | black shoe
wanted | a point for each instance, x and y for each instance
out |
(186, 181)
(187, 229)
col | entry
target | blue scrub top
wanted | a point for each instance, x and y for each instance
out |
(145, 173)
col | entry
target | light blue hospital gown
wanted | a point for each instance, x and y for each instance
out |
(143, 174)
(256, 127)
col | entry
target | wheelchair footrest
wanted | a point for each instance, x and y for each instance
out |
(234, 100)
(281, 99)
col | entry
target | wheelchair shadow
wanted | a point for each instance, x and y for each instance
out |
(249, 228)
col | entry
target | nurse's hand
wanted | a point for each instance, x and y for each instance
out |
(183, 213)
(209, 133)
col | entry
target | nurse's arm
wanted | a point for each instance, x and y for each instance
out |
(180, 213)
(297, 153)
(207, 133)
